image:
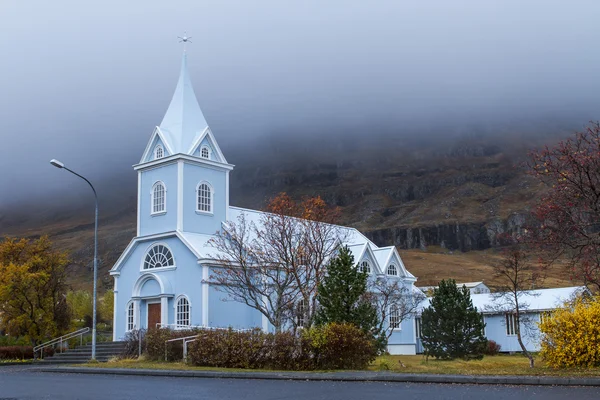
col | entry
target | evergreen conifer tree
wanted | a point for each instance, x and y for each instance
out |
(451, 327)
(341, 295)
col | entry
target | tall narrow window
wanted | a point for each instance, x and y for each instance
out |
(158, 152)
(204, 153)
(130, 325)
(511, 324)
(183, 312)
(158, 256)
(204, 198)
(365, 267)
(418, 328)
(392, 270)
(158, 198)
(394, 317)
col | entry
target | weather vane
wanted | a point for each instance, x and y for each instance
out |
(185, 39)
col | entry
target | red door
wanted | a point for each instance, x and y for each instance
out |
(153, 315)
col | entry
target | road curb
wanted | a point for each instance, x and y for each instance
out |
(353, 376)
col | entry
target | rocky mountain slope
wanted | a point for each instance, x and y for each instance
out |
(449, 192)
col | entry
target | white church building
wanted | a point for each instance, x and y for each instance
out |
(163, 276)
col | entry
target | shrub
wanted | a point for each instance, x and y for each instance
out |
(571, 335)
(16, 352)
(492, 348)
(341, 346)
(155, 343)
(132, 343)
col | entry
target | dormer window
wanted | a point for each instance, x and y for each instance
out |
(365, 267)
(204, 152)
(158, 152)
(392, 270)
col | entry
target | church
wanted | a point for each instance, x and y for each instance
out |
(163, 276)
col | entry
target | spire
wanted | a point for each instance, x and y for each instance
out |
(183, 122)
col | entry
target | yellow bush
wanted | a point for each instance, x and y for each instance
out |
(571, 335)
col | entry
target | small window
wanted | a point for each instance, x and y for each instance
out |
(392, 270)
(204, 152)
(300, 314)
(204, 198)
(183, 312)
(130, 325)
(158, 198)
(418, 328)
(158, 256)
(511, 324)
(365, 267)
(158, 152)
(394, 317)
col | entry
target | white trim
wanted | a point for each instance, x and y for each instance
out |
(162, 149)
(127, 252)
(156, 132)
(130, 304)
(139, 204)
(180, 195)
(212, 198)
(211, 138)
(227, 196)
(208, 150)
(205, 290)
(196, 160)
(115, 307)
(175, 312)
(167, 268)
(164, 210)
(402, 349)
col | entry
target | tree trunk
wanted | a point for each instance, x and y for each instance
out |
(520, 340)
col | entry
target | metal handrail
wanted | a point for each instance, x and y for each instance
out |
(60, 340)
(193, 338)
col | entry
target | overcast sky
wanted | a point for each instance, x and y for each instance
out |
(86, 83)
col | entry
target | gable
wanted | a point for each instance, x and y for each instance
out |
(207, 139)
(157, 139)
(135, 252)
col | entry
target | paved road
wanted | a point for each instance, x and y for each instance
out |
(22, 383)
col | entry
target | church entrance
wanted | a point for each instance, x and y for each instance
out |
(153, 315)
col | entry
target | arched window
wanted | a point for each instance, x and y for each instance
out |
(158, 152)
(204, 152)
(204, 198)
(130, 325)
(182, 313)
(300, 314)
(158, 198)
(392, 270)
(394, 317)
(365, 267)
(159, 256)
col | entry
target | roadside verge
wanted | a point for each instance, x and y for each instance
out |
(350, 376)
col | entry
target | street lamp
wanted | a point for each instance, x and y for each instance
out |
(60, 165)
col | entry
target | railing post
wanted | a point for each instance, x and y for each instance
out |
(61, 346)
(185, 351)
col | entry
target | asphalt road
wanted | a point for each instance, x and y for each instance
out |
(21, 383)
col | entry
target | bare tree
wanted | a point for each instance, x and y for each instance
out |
(249, 276)
(518, 276)
(394, 298)
(280, 260)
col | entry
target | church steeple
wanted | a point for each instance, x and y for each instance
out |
(183, 123)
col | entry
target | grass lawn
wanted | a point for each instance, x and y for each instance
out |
(496, 365)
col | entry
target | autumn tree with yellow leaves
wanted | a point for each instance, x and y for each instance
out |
(33, 289)
(571, 335)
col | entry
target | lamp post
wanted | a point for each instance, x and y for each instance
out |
(60, 165)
